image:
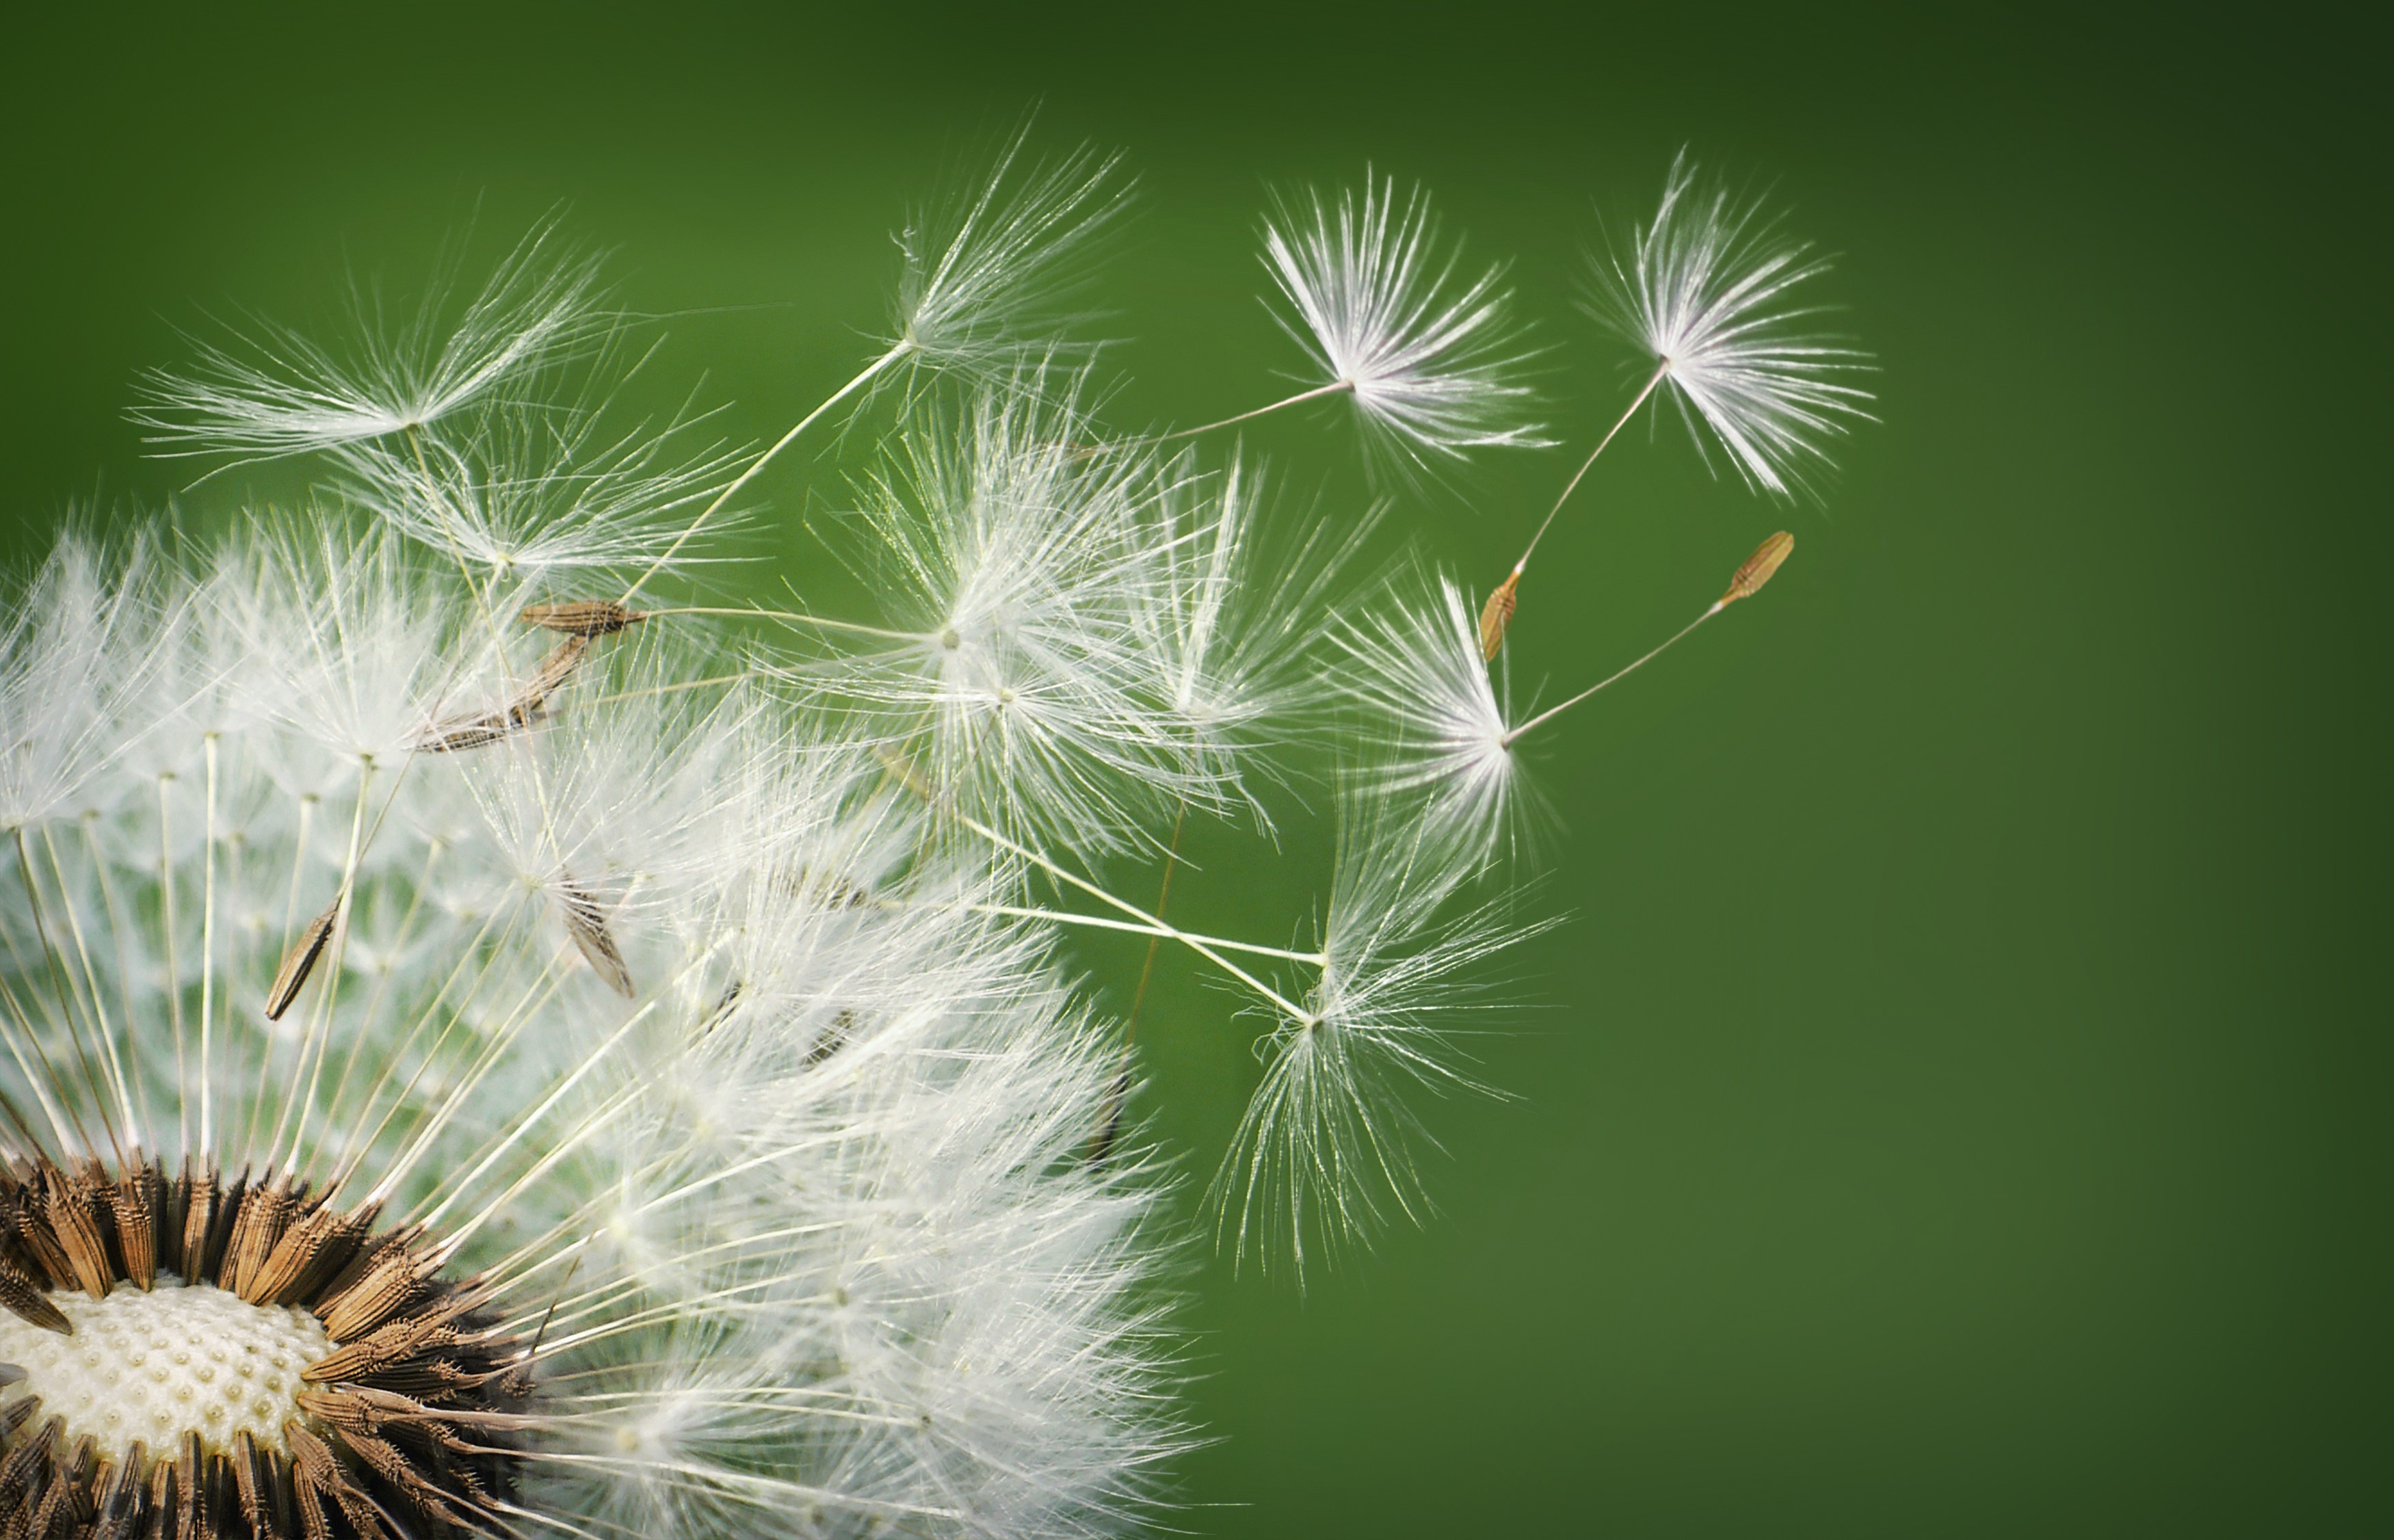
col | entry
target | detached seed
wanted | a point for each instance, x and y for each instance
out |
(1496, 616)
(300, 961)
(588, 617)
(586, 921)
(1759, 567)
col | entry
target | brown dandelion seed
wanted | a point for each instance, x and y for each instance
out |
(300, 961)
(721, 1011)
(553, 668)
(833, 1038)
(377, 1411)
(459, 733)
(1496, 616)
(586, 921)
(1759, 567)
(1109, 1120)
(29, 1302)
(588, 617)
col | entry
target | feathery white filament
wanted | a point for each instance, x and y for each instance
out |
(1383, 308)
(986, 278)
(1418, 663)
(1707, 287)
(280, 393)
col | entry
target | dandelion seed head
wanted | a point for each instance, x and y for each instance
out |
(669, 1189)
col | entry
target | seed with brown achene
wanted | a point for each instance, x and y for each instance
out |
(586, 921)
(585, 618)
(300, 961)
(459, 733)
(1759, 567)
(1496, 616)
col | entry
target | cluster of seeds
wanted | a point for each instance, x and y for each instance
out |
(831, 1186)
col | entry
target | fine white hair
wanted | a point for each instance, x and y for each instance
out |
(1388, 314)
(1707, 288)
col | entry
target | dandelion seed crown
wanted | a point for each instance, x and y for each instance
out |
(490, 1046)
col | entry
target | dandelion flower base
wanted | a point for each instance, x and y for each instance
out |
(157, 1365)
(193, 1357)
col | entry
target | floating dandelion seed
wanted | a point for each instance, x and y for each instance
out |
(1429, 356)
(1025, 576)
(1419, 665)
(1325, 1154)
(1707, 287)
(979, 293)
(1704, 290)
(985, 279)
(1232, 615)
(279, 393)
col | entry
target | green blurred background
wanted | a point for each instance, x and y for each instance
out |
(1956, 1104)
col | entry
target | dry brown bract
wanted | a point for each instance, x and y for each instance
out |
(408, 1423)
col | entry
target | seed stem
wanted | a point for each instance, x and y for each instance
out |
(678, 689)
(95, 1005)
(1159, 933)
(793, 617)
(207, 957)
(1337, 386)
(897, 350)
(1163, 899)
(1553, 711)
(1194, 943)
(1573, 485)
(66, 999)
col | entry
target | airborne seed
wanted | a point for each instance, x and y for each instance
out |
(459, 733)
